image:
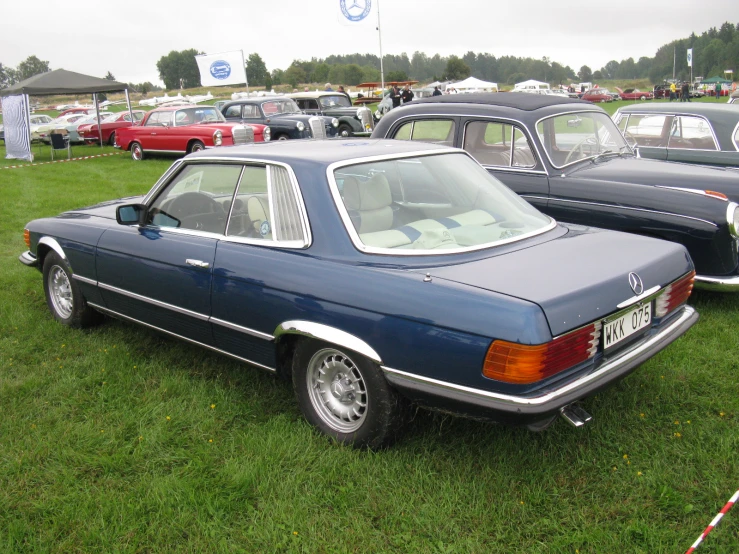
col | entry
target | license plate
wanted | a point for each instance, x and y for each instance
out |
(623, 326)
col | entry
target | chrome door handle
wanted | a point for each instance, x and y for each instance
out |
(197, 263)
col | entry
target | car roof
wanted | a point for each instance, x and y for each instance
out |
(687, 108)
(258, 100)
(517, 100)
(323, 152)
(314, 94)
(178, 107)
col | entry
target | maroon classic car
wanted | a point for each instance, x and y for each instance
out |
(89, 131)
(184, 129)
(597, 95)
(635, 94)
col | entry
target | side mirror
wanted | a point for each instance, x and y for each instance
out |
(130, 214)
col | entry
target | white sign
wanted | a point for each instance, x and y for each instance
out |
(226, 68)
(690, 57)
(357, 12)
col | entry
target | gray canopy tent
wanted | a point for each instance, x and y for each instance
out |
(61, 81)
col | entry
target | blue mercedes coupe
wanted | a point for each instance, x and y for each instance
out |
(372, 273)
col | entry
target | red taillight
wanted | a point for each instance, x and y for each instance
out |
(675, 294)
(27, 238)
(511, 362)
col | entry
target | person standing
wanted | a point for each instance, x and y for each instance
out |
(407, 94)
(342, 91)
(395, 96)
(718, 91)
(685, 93)
(328, 88)
(437, 91)
(673, 92)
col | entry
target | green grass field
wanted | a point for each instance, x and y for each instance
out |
(120, 440)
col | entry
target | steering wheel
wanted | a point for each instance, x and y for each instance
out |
(579, 147)
(192, 203)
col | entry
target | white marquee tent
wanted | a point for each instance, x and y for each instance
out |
(473, 84)
(531, 84)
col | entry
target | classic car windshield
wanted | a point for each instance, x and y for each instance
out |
(335, 101)
(568, 138)
(201, 114)
(285, 105)
(436, 204)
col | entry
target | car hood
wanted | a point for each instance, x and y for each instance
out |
(338, 111)
(577, 278)
(104, 209)
(660, 173)
(285, 117)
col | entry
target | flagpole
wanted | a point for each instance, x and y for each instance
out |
(379, 32)
(674, 54)
(246, 80)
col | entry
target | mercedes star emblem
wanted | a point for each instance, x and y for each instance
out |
(636, 285)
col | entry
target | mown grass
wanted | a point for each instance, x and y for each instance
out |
(119, 440)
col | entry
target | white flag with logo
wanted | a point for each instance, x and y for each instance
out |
(690, 57)
(357, 12)
(226, 68)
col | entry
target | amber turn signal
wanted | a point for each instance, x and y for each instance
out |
(27, 238)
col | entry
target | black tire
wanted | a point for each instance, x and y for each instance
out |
(196, 146)
(63, 295)
(357, 407)
(137, 153)
(282, 136)
(344, 131)
(111, 139)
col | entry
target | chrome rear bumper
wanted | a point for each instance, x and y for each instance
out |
(719, 284)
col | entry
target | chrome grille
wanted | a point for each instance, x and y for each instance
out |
(316, 127)
(243, 134)
(365, 116)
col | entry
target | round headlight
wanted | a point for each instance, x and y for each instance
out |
(300, 126)
(267, 134)
(335, 122)
(218, 138)
(732, 216)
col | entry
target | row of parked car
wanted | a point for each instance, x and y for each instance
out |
(404, 267)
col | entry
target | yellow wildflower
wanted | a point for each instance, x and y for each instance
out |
(678, 435)
(212, 406)
(168, 418)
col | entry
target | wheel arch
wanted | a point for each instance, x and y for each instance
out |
(287, 332)
(46, 244)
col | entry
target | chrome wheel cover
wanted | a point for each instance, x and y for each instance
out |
(136, 152)
(60, 292)
(337, 390)
(197, 147)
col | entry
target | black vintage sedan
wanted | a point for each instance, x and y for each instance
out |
(370, 272)
(568, 158)
(283, 116)
(690, 132)
(338, 105)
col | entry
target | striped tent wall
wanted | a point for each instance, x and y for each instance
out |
(15, 123)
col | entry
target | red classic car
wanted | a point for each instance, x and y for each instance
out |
(89, 132)
(635, 94)
(85, 111)
(185, 129)
(597, 95)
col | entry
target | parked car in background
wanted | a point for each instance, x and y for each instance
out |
(41, 132)
(283, 117)
(662, 90)
(109, 127)
(218, 104)
(335, 105)
(695, 132)
(734, 98)
(635, 94)
(185, 129)
(77, 110)
(73, 128)
(568, 158)
(368, 273)
(597, 95)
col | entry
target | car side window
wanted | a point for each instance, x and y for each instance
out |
(198, 198)
(435, 131)
(498, 144)
(250, 111)
(648, 130)
(267, 207)
(153, 120)
(689, 132)
(233, 111)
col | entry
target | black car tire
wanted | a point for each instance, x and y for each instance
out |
(63, 295)
(111, 139)
(281, 136)
(355, 405)
(137, 153)
(344, 130)
(196, 146)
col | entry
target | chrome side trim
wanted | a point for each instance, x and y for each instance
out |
(239, 328)
(625, 208)
(513, 402)
(87, 280)
(158, 303)
(213, 348)
(719, 284)
(694, 191)
(510, 169)
(639, 297)
(53, 244)
(328, 334)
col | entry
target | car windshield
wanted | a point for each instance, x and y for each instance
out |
(335, 101)
(430, 204)
(571, 137)
(284, 105)
(201, 114)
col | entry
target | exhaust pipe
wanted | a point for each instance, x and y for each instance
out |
(575, 415)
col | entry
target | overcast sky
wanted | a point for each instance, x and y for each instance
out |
(127, 38)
